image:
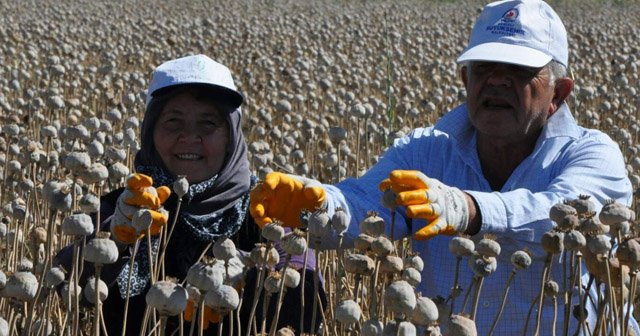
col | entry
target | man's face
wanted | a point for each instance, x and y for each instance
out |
(506, 101)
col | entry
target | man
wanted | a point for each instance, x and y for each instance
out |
(493, 165)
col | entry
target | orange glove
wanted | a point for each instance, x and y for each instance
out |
(444, 208)
(139, 194)
(210, 316)
(283, 196)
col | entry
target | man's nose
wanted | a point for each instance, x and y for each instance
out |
(500, 75)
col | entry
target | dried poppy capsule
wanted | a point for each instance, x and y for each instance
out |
(628, 253)
(488, 247)
(413, 261)
(259, 255)
(291, 278)
(412, 276)
(141, 220)
(204, 276)
(359, 264)
(482, 266)
(461, 246)
(425, 312)
(339, 220)
(181, 186)
(90, 290)
(574, 240)
(552, 242)
(559, 210)
(318, 223)
(382, 246)
(613, 212)
(77, 225)
(117, 172)
(294, 243)
(372, 327)
(348, 312)
(89, 203)
(168, 297)
(285, 331)
(521, 259)
(389, 199)
(599, 244)
(224, 249)
(462, 326)
(273, 231)
(592, 226)
(583, 205)
(101, 250)
(96, 173)
(396, 328)
(372, 225)
(38, 235)
(569, 222)
(77, 161)
(272, 282)
(363, 242)
(53, 277)
(273, 257)
(390, 264)
(21, 286)
(400, 298)
(551, 288)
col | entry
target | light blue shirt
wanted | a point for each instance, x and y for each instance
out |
(567, 161)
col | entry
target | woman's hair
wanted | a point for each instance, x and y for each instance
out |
(200, 92)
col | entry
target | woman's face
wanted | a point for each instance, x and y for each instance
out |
(191, 137)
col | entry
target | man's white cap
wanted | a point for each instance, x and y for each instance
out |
(198, 69)
(522, 32)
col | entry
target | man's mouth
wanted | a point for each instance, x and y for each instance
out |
(188, 156)
(496, 103)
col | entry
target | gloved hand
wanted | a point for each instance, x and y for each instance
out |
(444, 208)
(139, 194)
(210, 316)
(283, 196)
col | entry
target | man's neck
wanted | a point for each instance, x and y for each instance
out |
(500, 157)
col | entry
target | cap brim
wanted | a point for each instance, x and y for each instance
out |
(505, 53)
(232, 97)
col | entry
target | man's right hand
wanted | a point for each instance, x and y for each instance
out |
(283, 196)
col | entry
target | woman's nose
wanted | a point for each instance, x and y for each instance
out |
(189, 133)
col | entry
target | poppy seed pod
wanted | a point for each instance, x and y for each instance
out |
(363, 242)
(613, 212)
(569, 222)
(461, 326)
(318, 223)
(382, 246)
(259, 255)
(521, 259)
(272, 282)
(101, 250)
(372, 225)
(552, 242)
(592, 226)
(291, 278)
(574, 240)
(390, 264)
(77, 225)
(348, 312)
(89, 203)
(141, 220)
(461, 246)
(339, 220)
(559, 210)
(181, 186)
(38, 235)
(628, 253)
(412, 276)
(294, 243)
(413, 261)
(359, 264)
(483, 266)
(583, 205)
(77, 162)
(90, 290)
(204, 276)
(600, 244)
(54, 277)
(425, 312)
(21, 286)
(273, 231)
(488, 247)
(118, 171)
(224, 249)
(285, 331)
(400, 298)
(551, 288)
(168, 297)
(403, 328)
(4, 327)
(96, 173)
(372, 327)
(389, 199)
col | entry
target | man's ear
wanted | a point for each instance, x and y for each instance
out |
(561, 91)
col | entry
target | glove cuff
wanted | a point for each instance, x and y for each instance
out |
(458, 209)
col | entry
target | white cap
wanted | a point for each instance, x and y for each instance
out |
(521, 32)
(198, 69)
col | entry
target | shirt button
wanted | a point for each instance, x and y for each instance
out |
(486, 303)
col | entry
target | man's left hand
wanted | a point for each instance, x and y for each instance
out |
(444, 208)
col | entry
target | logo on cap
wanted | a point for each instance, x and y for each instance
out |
(510, 15)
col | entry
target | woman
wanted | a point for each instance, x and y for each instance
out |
(192, 127)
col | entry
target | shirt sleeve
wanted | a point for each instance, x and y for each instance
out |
(592, 166)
